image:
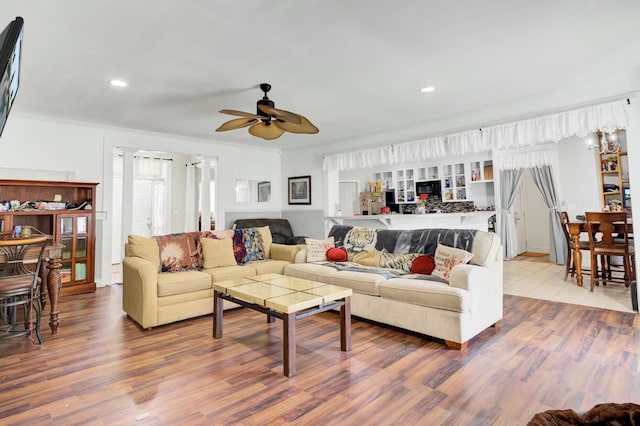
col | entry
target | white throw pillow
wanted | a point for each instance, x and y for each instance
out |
(446, 258)
(317, 249)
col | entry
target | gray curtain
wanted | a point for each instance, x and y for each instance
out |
(509, 181)
(544, 181)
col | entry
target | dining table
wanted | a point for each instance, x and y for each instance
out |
(578, 227)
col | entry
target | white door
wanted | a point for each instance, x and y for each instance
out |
(348, 198)
(519, 216)
(142, 207)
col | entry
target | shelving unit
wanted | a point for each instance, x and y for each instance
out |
(73, 229)
(614, 173)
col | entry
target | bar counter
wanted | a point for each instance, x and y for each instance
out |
(466, 220)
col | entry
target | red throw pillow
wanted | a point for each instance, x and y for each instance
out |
(424, 264)
(337, 254)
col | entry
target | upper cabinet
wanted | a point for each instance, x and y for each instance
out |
(454, 182)
(615, 187)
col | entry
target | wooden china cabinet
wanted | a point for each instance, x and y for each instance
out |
(64, 210)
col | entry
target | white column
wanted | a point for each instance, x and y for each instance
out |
(127, 194)
(206, 195)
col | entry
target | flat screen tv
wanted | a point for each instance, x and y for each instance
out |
(10, 49)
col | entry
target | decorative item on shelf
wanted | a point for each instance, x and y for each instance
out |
(614, 206)
(422, 207)
(609, 143)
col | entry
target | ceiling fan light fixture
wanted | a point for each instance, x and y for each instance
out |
(269, 122)
(427, 89)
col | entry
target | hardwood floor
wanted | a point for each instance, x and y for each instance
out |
(101, 368)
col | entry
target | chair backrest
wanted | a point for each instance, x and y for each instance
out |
(564, 219)
(22, 258)
(607, 225)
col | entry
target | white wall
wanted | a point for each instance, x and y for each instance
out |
(578, 177)
(41, 143)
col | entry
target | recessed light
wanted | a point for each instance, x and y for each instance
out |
(427, 89)
(118, 83)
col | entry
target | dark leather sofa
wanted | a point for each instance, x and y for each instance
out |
(281, 231)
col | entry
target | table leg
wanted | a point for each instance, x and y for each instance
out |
(577, 257)
(289, 339)
(217, 315)
(345, 325)
(270, 318)
(54, 283)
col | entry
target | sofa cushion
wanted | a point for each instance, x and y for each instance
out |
(448, 257)
(170, 284)
(367, 258)
(317, 249)
(359, 282)
(223, 273)
(423, 264)
(217, 253)
(144, 248)
(485, 248)
(399, 261)
(426, 293)
(310, 271)
(284, 252)
(179, 252)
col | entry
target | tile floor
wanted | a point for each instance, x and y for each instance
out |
(537, 278)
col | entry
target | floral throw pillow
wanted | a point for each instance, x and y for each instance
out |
(448, 257)
(252, 241)
(179, 252)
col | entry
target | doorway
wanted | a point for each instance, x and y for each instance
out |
(150, 181)
(348, 198)
(531, 215)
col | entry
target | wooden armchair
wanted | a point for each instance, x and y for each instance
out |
(609, 236)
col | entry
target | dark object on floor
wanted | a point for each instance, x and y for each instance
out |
(281, 231)
(626, 414)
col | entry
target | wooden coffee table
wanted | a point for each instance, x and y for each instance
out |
(288, 299)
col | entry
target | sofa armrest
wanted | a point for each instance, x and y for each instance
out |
(485, 283)
(140, 290)
(284, 252)
(301, 256)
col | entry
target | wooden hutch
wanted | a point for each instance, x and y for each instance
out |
(64, 210)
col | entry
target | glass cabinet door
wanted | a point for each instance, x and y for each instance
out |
(67, 250)
(81, 246)
(81, 223)
(66, 225)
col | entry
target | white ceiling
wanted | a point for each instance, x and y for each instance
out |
(354, 68)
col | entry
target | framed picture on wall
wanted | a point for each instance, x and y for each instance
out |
(300, 190)
(264, 192)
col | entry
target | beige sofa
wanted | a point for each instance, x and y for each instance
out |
(454, 311)
(152, 297)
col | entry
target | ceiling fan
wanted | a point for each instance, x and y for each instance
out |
(268, 122)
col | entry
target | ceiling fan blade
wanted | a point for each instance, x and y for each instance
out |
(304, 127)
(281, 114)
(266, 131)
(240, 113)
(236, 123)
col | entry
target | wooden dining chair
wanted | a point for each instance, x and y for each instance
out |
(20, 286)
(608, 237)
(570, 268)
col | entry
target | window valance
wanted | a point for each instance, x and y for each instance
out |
(544, 129)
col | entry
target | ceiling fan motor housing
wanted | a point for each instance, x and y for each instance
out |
(268, 102)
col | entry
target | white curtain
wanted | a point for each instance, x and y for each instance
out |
(191, 213)
(535, 131)
(509, 182)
